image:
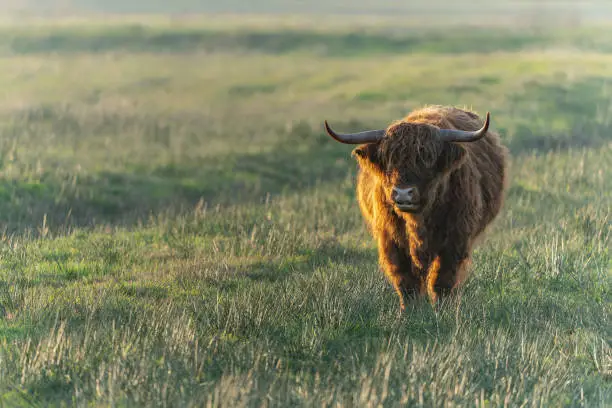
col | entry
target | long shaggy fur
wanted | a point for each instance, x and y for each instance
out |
(463, 186)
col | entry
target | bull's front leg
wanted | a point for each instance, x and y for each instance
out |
(397, 266)
(446, 271)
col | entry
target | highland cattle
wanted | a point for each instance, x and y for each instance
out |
(428, 186)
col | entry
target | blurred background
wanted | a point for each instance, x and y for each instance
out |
(111, 102)
(176, 229)
(502, 9)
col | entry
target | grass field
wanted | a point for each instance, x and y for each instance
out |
(178, 231)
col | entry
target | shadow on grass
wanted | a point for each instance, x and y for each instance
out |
(307, 260)
(271, 271)
(302, 159)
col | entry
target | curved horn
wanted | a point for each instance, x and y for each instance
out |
(369, 136)
(453, 135)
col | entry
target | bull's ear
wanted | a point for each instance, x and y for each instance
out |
(368, 157)
(451, 158)
(367, 153)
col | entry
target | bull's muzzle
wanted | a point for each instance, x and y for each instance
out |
(406, 198)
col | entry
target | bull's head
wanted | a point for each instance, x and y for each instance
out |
(410, 158)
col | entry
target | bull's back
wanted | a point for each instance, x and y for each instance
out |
(490, 158)
(487, 160)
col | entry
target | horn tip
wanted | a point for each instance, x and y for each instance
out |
(332, 133)
(487, 121)
(327, 127)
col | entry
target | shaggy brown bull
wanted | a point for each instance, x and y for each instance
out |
(428, 186)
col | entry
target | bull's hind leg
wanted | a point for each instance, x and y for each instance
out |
(398, 269)
(445, 273)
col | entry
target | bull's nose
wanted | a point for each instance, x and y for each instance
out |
(408, 195)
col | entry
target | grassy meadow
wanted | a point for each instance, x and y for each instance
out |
(178, 231)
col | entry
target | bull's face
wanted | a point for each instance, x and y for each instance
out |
(409, 163)
(410, 159)
(407, 189)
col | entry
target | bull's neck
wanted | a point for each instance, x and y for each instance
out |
(417, 236)
(415, 225)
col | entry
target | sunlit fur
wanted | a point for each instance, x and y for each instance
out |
(462, 184)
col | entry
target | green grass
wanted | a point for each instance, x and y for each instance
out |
(177, 230)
